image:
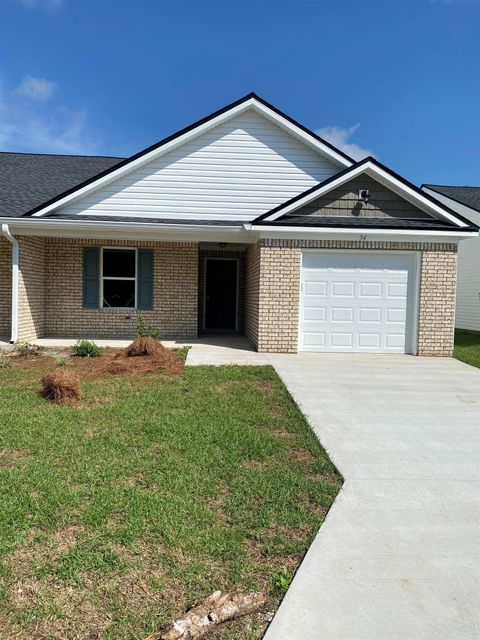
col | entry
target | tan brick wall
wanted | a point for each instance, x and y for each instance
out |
(31, 288)
(437, 303)
(252, 292)
(277, 268)
(174, 292)
(5, 287)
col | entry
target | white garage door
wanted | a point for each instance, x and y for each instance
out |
(357, 302)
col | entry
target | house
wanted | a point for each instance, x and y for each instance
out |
(244, 222)
(465, 201)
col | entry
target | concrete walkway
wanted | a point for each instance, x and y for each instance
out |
(398, 555)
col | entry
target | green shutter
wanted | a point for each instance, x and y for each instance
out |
(145, 279)
(91, 277)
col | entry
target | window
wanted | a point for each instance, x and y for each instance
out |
(119, 278)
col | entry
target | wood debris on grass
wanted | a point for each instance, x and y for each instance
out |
(207, 614)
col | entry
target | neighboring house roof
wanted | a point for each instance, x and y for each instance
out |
(29, 179)
(469, 196)
(247, 103)
(383, 174)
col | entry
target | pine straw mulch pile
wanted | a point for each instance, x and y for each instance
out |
(143, 355)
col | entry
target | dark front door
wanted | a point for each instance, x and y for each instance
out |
(220, 294)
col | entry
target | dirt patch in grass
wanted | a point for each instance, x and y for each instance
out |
(10, 458)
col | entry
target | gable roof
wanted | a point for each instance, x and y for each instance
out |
(28, 179)
(468, 196)
(378, 171)
(250, 101)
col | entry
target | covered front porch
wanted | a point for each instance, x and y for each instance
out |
(71, 288)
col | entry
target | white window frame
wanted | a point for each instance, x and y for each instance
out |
(102, 278)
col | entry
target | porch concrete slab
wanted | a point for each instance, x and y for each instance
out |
(224, 350)
(398, 556)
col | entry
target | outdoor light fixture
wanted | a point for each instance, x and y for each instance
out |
(222, 245)
(364, 195)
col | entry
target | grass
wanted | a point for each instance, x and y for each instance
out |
(467, 347)
(120, 512)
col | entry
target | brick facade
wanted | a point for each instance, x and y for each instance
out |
(273, 268)
(57, 310)
(50, 291)
(252, 292)
(5, 287)
(31, 288)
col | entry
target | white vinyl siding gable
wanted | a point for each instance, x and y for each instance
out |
(467, 310)
(236, 171)
(468, 285)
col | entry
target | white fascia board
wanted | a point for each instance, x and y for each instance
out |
(128, 231)
(386, 179)
(364, 234)
(190, 135)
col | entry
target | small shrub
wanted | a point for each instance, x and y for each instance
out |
(145, 330)
(62, 362)
(61, 386)
(26, 349)
(86, 349)
(5, 362)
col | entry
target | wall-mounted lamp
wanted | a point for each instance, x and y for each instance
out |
(222, 245)
(364, 195)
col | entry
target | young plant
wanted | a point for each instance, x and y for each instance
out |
(86, 349)
(145, 330)
(25, 349)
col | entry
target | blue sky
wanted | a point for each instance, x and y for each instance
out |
(396, 78)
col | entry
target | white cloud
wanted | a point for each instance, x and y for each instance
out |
(340, 138)
(37, 128)
(35, 88)
(42, 4)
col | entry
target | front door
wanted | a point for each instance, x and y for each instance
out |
(220, 294)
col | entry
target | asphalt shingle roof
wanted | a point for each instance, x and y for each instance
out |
(469, 196)
(27, 180)
(344, 221)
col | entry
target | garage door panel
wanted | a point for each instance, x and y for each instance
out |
(362, 305)
(314, 313)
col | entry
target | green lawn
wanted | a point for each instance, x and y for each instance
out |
(467, 347)
(118, 513)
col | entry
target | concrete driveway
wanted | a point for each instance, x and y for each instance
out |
(398, 556)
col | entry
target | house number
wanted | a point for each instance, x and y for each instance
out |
(363, 236)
